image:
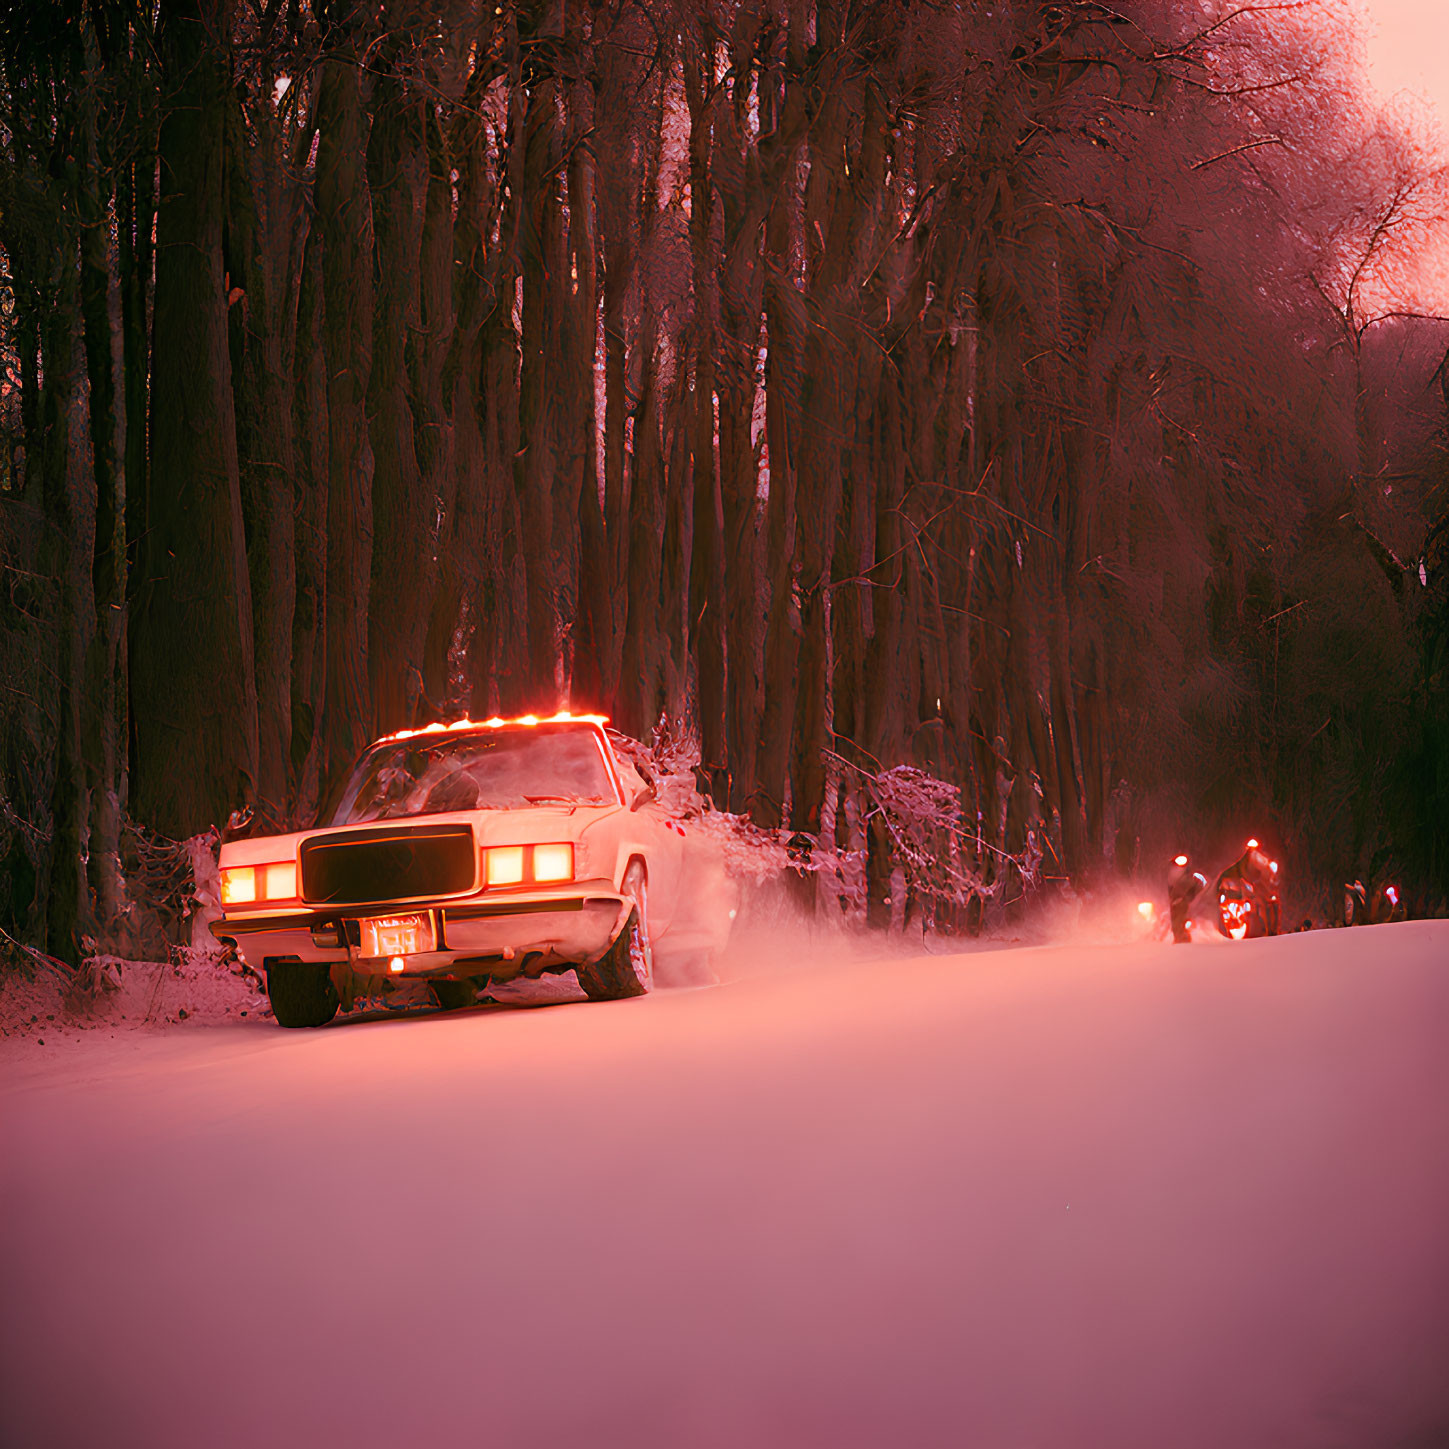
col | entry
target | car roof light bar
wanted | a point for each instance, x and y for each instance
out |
(458, 726)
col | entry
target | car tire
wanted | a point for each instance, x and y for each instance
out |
(453, 995)
(301, 992)
(627, 967)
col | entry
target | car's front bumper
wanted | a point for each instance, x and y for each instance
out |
(501, 934)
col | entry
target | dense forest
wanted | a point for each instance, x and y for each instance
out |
(999, 436)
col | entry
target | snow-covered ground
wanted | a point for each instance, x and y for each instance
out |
(1079, 1196)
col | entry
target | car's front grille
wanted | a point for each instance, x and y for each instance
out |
(358, 867)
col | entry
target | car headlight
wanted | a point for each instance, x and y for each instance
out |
(505, 865)
(275, 881)
(553, 862)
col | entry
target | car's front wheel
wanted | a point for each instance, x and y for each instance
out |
(627, 967)
(301, 992)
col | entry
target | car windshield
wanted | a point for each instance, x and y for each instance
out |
(502, 770)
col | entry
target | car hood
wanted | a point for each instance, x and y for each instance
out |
(536, 825)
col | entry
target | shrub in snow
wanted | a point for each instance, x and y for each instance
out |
(672, 761)
(944, 867)
(203, 852)
(921, 815)
(26, 962)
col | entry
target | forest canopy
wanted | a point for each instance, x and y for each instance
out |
(998, 435)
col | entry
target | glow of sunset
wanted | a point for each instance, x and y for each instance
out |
(1406, 46)
(1406, 42)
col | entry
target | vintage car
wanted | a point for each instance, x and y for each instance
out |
(467, 855)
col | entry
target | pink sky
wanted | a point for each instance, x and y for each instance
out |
(1406, 50)
(1407, 44)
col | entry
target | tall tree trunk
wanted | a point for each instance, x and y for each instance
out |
(105, 669)
(536, 480)
(398, 607)
(640, 675)
(828, 229)
(783, 110)
(309, 615)
(577, 518)
(69, 498)
(345, 216)
(474, 392)
(781, 644)
(672, 605)
(136, 214)
(432, 419)
(593, 641)
(194, 691)
(1071, 488)
(739, 176)
(706, 564)
(633, 456)
(882, 704)
(258, 253)
(500, 657)
(615, 205)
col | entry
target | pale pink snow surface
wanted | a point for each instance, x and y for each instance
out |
(1088, 1196)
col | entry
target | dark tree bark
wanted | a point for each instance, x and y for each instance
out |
(432, 416)
(593, 641)
(261, 230)
(193, 686)
(624, 140)
(345, 219)
(536, 467)
(831, 232)
(641, 687)
(309, 614)
(577, 517)
(783, 92)
(105, 667)
(633, 491)
(67, 492)
(706, 562)
(462, 604)
(136, 212)
(399, 596)
(672, 605)
(498, 657)
(889, 693)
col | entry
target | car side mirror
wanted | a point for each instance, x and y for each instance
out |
(238, 824)
(648, 793)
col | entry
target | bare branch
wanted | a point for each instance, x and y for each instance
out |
(1237, 151)
(1237, 14)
